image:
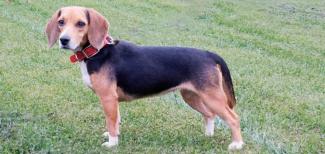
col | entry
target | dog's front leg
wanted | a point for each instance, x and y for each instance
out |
(110, 106)
(106, 90)
(106, 134)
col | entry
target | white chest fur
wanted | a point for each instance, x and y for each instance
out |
(85, 75)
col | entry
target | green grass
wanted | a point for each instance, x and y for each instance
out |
(275, 50)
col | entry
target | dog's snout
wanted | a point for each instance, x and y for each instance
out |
(64, 41)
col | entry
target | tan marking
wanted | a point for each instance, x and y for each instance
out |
(215, 100)
(52, 29)
(107, 92)
(223, 88)
(194, 101)
(221, 82)
(219, 77)
(123, 96)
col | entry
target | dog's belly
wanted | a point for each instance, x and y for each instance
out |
(124, 96)
(139, 89)
(143, 83)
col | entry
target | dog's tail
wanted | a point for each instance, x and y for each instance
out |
(227, 81)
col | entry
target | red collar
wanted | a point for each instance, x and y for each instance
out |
(88, 52)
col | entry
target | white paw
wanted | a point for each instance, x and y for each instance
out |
(235, 145)
(112, 141)
(209, 127)
(105, 134)
(209, 133)
(108, 144)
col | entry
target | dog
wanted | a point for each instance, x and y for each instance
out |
(118, 70)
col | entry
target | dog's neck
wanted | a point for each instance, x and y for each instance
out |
(88, 51)
(108, 40)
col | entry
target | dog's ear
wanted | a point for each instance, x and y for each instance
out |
(98, 28)
(52, 30)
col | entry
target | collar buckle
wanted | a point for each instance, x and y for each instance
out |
(85, 54)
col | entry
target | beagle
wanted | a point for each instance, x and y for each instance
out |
(118, 70)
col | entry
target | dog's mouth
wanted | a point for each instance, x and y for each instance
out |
(74, 48)
(65, 47)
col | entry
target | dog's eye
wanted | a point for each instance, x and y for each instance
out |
(80, 24)
(61, 22)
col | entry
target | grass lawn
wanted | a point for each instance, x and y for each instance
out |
(275, 50)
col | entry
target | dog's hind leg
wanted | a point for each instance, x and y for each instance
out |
(193, 100)
(216, 102)
(215, 99)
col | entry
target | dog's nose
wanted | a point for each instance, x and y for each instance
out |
(64, 41)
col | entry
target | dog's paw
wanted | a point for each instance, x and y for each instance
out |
(236, 145)
(109, 144)
(209, 127)
(112, 140)
(105, 134)
(209, 133)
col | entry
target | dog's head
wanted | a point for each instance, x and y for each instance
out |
(75, 27)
